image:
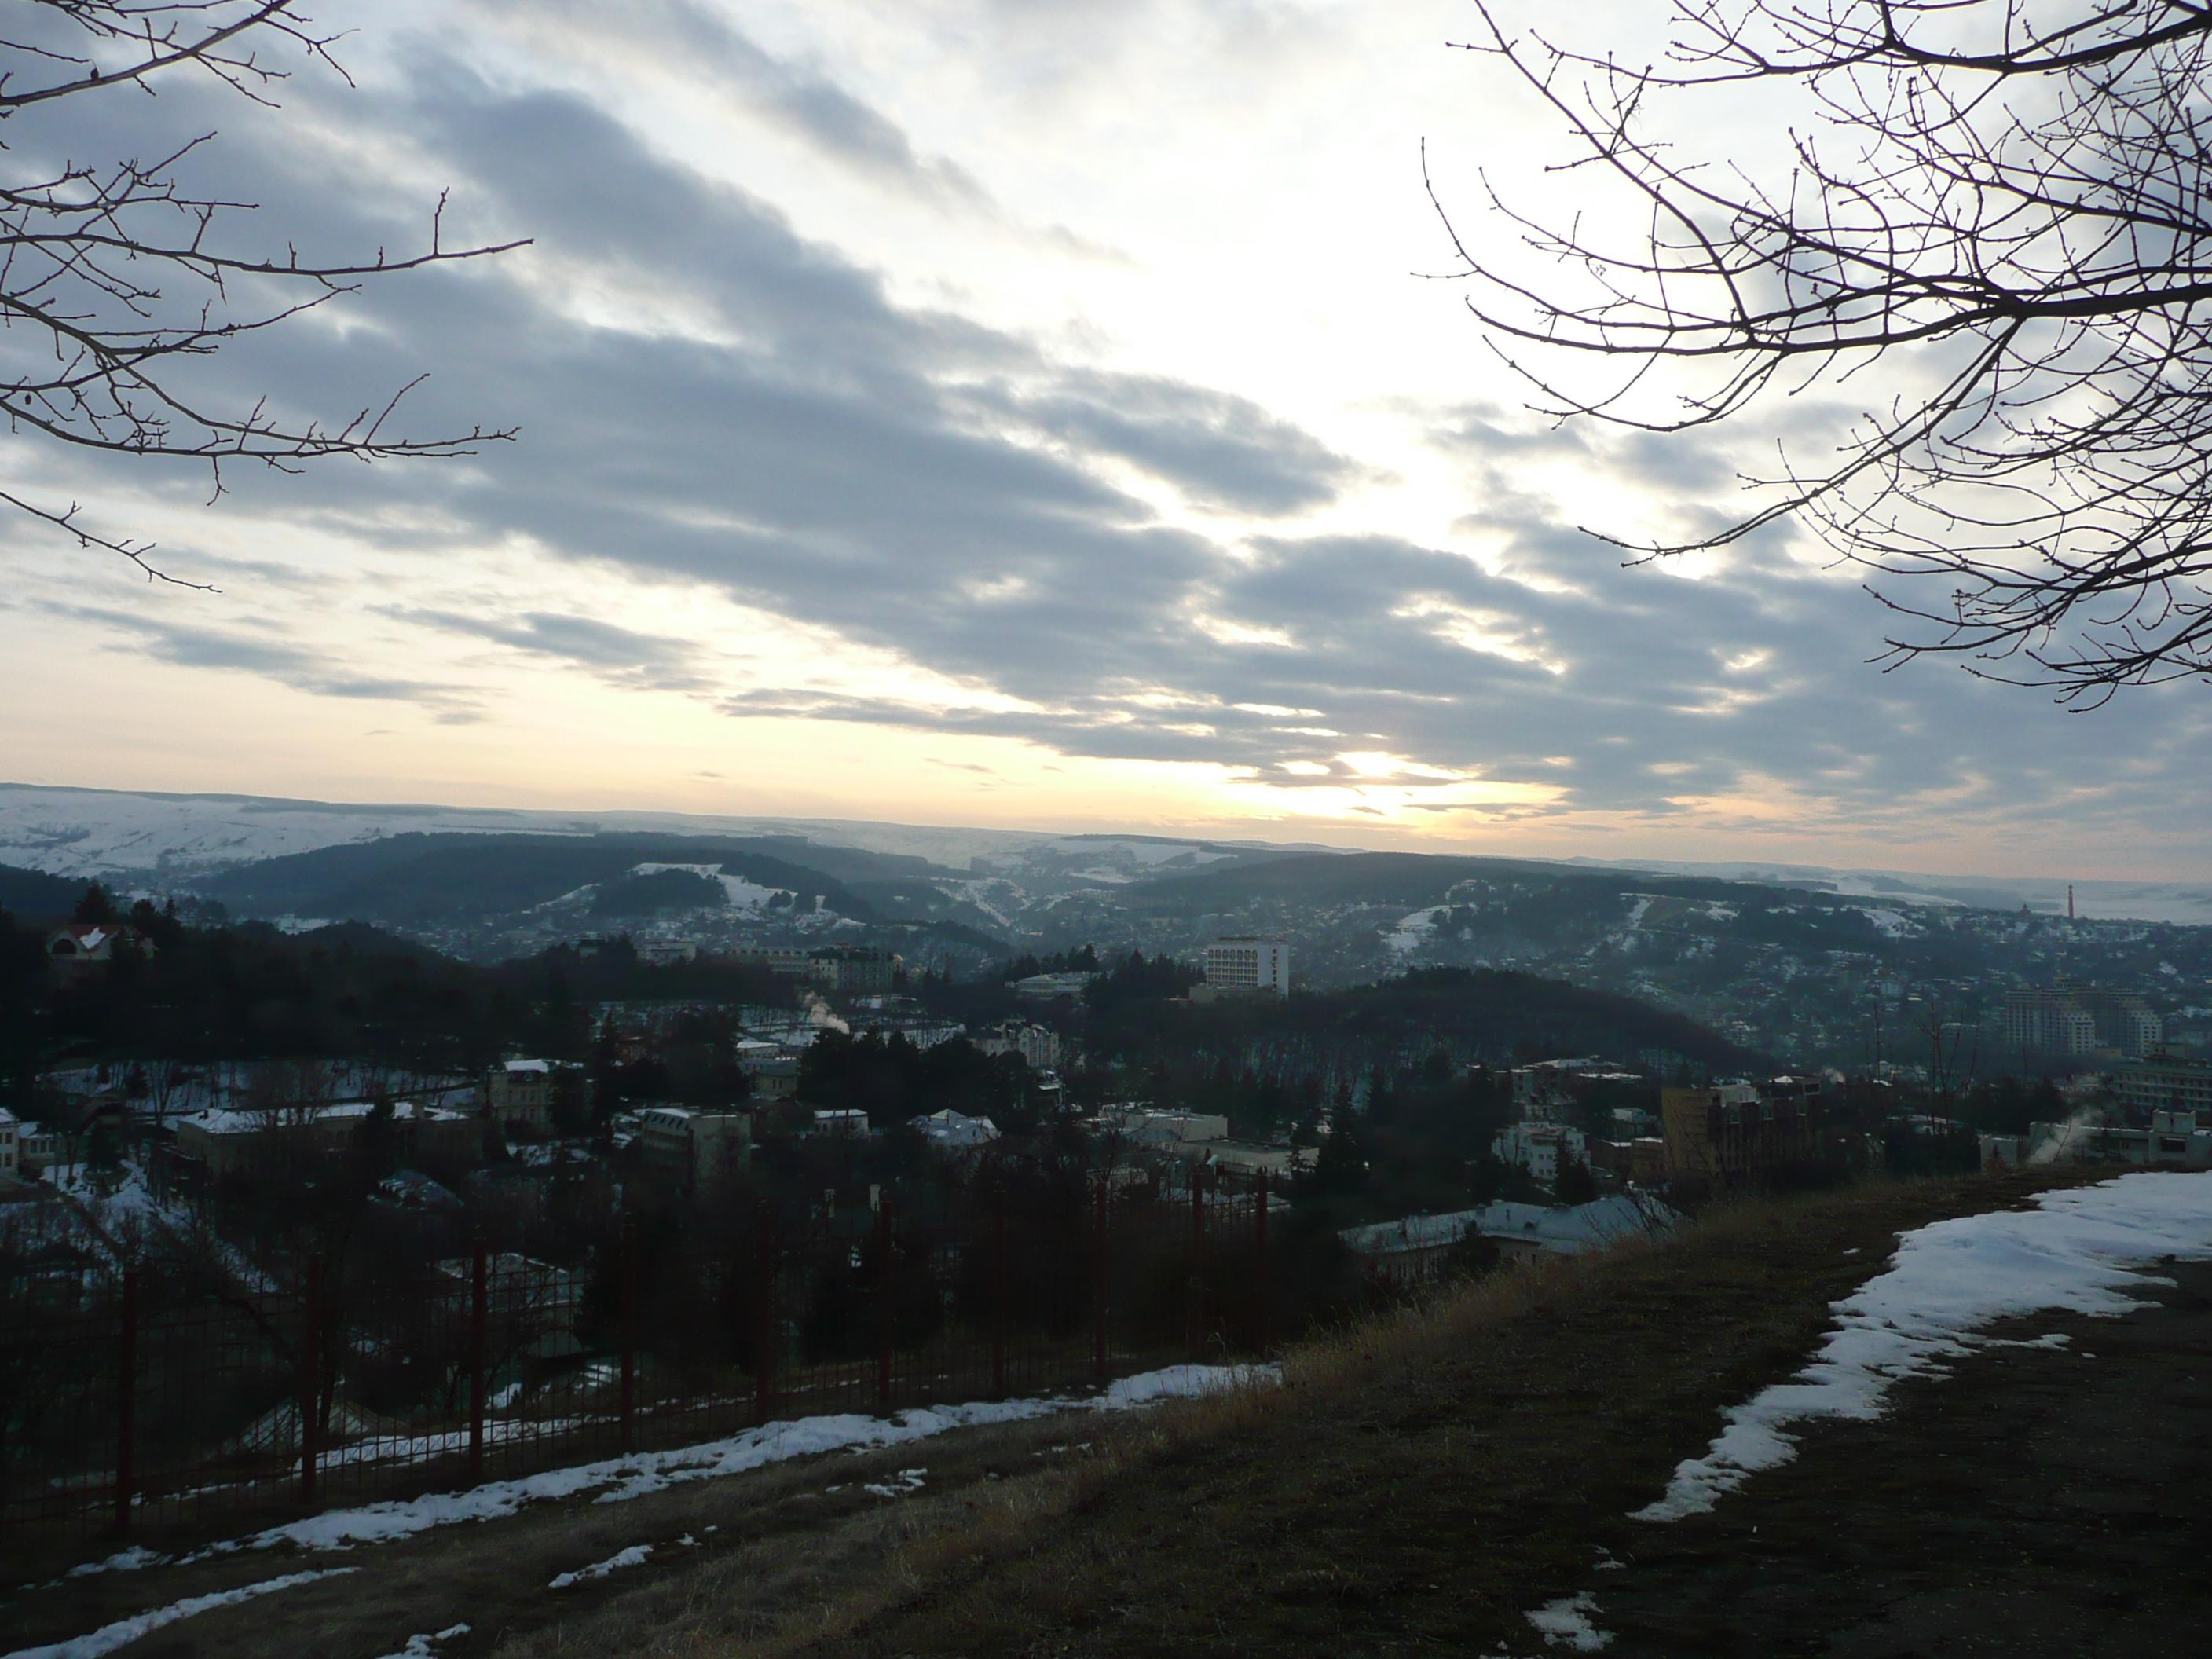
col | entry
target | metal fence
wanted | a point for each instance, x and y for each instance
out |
(131, 1405)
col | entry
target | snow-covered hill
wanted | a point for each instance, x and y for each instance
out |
(161, 839)
(176, 837)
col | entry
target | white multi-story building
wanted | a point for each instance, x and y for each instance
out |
(2125, 1023)
(1037, 1045)
(2049, 1023)
(11, 1150)
(1248, 963)
(1539, 1148)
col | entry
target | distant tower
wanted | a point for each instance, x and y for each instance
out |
(2069, 901)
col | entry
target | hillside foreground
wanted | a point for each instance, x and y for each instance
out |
(1423, 1483)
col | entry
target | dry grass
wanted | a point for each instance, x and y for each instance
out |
(1420, 1477)
(1417, 1480)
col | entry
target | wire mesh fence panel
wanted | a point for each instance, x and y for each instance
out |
(131, 1403)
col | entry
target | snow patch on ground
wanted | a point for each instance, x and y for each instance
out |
(123, 1632)
(743, 895)
(1412, 932)
(425, 1646)
(2082, 1250)
(905, 1481)
(635, 1556)
(1566, 1623)
(1890, 924)
(616, 1480)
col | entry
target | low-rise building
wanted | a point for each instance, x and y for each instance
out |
(521, 1092)
(77, 945)
(39, 1147)
(1174, 1128)
(792, 961)
(775, 1079)
(223, 1142)
(694, 1144)
(1253, 1157)
(854, 970)
(1045, 988)
(1727, 1131)
(2174, 1139)
(1415, 1249)
(2164, 1082)
(846, 1125)
(11, 1143)
(949, 1131)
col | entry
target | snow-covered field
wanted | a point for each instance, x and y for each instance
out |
(1412, 932)
(743, 895)
(2085, 1251)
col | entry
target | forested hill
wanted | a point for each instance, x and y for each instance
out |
(1491, 1014)
(418, 880)
(1323, 880)
(33, 896)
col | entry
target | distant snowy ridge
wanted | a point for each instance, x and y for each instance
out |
(96, 832)
(174, 838)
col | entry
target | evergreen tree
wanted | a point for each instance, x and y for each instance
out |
(1340, 1167)
(1576, 1184)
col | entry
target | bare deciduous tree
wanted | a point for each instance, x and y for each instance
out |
(117, 273)
(1992, 227)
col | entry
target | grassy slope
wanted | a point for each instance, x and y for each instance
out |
(1420, 1485)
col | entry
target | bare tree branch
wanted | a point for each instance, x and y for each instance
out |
(113, 277)
(2004, 203)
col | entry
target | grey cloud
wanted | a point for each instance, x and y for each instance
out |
(300, 668)
(804, 99)
(835, 464)
(1221, 450)
(620, 656)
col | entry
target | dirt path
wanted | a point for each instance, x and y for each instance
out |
(763, 1548)
(2037, 1502)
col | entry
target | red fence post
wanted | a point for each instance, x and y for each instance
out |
(1196, 1335)
(1263, 1277)
(764, 1332)
(629, 1339)
(310, 1382)
(999, 1294)
(1098, 1281)
(126, 1401)
(479, 1318)
(884, 1248)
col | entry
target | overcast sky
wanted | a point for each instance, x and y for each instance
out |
(1015, 412)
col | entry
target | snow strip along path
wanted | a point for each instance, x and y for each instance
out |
(2080, 1250)
(615, 1481)
(108, 1637)
(426, 1646)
